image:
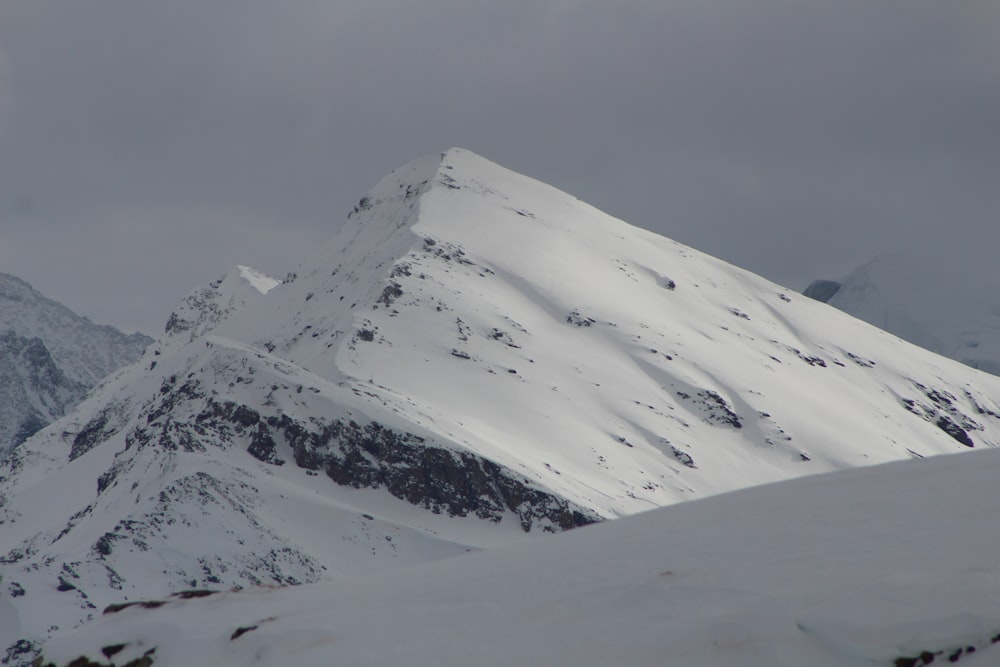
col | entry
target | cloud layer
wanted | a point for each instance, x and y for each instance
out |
(146, 147)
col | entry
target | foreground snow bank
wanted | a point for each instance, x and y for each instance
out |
(889, 565)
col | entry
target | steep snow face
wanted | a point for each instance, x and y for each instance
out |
(49, 358)
(475, 356)
(889, 565)
(951, 311)
(613, 366)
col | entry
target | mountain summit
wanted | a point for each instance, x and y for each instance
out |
(473, 357)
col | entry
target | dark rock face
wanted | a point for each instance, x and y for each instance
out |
(19, 651)
(954, 430)
(438, 479)
(822, 290)
(942, 410)
(435, 478)
(29, 425)
(91, 435)
(713, 408)
(33, 389)
(359, 455)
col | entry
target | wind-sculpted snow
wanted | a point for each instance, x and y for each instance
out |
(475, 356)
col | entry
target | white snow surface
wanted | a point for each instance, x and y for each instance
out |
(492, 319)
(954, 311)
(851, 569)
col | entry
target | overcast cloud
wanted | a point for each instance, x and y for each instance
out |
(145, 147)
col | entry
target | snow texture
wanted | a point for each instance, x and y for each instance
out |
(473, 359)
(888, 565)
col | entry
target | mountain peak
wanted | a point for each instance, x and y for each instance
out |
(456, 174)
(205, 307)
(11, 286)
(472, 343)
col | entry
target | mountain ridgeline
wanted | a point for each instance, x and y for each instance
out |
(49, 358)
(474, 357)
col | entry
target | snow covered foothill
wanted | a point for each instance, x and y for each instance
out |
(888, 565)
(474, 358)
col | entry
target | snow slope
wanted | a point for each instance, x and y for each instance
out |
(475, 357)
(573, 327)
(887, 565)
(951, 311)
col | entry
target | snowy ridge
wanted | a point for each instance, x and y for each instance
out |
(889, 565)
(474, 357)
(203, 308)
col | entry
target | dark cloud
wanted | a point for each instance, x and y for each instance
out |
(145, 147)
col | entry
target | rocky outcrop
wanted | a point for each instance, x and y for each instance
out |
(358, 455)
(432, 477)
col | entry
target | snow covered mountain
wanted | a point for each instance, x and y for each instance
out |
(475, 357)
(889, 565)
(49, 358)
(951, 311)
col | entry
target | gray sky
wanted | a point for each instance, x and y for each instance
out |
(146, 147)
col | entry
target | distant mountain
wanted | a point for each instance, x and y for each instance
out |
(49, 358)
(473, 358)
(954, 311)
